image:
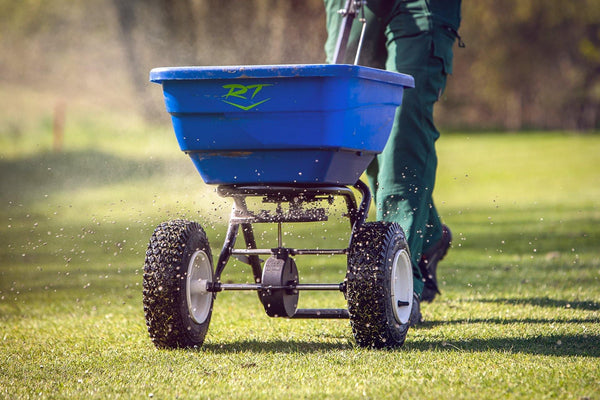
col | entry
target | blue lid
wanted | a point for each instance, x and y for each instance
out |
(158, 75)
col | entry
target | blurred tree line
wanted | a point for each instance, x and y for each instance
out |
(528, 64)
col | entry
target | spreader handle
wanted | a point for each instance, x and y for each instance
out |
(349, 12)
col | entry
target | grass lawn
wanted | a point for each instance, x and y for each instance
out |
(519, 316)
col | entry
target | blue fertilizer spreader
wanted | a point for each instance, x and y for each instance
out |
(296, 137)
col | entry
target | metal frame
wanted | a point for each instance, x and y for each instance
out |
(297, 197)
(349, 12)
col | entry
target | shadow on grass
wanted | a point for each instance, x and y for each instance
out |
(499, 321)
(558, 345)
(547, 302)
(277, 346)
(552, 345)
(568, 345)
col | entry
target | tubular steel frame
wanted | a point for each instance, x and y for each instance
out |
(297, 197)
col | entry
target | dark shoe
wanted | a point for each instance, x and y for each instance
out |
(429, 262)
(415, 312)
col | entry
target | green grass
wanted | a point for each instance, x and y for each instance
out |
(519, 316)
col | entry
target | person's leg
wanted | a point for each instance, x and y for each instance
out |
(406, 169)
(402, 178)
(433, 228)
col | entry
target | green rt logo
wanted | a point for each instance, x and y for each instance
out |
(242, 92)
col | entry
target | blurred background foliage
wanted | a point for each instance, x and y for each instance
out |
(528, 64)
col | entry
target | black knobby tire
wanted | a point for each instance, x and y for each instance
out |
(170, 254)
(379, 299)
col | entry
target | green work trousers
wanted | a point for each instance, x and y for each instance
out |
(402, 177)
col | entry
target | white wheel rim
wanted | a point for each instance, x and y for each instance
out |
(402, 287)
(199, 301)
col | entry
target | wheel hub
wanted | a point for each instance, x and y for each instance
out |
(402, 287)
(199, 300)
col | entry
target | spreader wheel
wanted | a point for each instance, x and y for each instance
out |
(177, 269)
(379, 285)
